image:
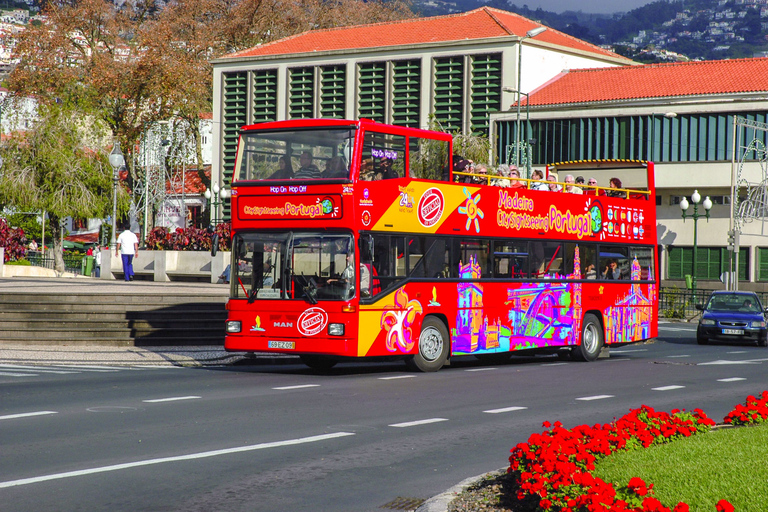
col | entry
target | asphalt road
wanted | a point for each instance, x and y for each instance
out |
(365, 437)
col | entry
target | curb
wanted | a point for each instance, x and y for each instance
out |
(440, 502)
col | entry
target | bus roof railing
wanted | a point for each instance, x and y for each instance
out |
(529, 182)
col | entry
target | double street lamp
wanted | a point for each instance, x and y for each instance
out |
(215, 200)
(117, 161)
(707, 204)
(531, 33)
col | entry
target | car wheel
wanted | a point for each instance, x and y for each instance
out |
(591, 339)
(318, 362)
(701, 339)
(433, 347)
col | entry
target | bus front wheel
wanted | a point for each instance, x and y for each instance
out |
(433, 347)
(591, 339)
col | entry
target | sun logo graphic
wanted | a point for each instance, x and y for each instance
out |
(471, 210)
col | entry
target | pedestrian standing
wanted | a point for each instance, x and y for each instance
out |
(128, 248)
(97, 261)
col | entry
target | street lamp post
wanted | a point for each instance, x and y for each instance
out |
(707, 204)
(531, 33)
(215, 200)
(117, 161)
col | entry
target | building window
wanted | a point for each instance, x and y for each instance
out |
(448, 104)
(711, 262)
(372, 91)
(301, 89)
(406, 93)
(264, 95)
(234, 115)
(333, 91)
(485, 91)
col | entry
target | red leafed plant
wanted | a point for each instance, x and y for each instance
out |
(190, 239)
(13, 241)
(556, 466)
(752, 412)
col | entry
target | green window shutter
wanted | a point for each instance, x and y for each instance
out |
(485, 96)
(762, 263)
(264, 95)
(675, 263)
(406, 88)
(234, 115)
(333, 91)
(372, 91)
(743, 263)
(301, 93)
(449, 92)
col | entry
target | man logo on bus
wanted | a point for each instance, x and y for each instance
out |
(431, 207)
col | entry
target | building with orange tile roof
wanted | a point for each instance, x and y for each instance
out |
(459, 68)
(679, 115)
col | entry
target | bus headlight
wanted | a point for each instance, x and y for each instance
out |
(234, 326)
(336, 329)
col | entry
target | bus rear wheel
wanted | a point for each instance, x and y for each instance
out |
(318, 362)
(591, 339)
(433, 347)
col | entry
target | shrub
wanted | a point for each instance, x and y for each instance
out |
(190, 239)
(13, 240)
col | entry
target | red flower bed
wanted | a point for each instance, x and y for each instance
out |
(556, 466)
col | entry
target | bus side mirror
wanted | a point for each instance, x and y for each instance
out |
(214, 244)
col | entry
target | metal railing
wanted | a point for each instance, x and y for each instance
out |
(72, 262)
(681, 303)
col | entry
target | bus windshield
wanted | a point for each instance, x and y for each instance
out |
(309, 266)
(309, 154)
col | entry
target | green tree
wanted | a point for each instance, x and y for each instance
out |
(53, 168)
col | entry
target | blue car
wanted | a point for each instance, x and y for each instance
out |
(732, 316)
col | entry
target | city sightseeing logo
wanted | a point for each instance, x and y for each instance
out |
(431, 207)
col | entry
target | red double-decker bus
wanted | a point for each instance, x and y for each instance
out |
(355, 239)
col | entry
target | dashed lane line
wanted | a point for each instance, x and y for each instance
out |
(418, 422)
(629, 351)
(731, 379)
(480, 369)
(37, 369)
(398, 377)
(595, 397)
(667, 388)
(179, 458)
(300, 386)
(26, 415)
(14, 374)
(169, 399)
(505, 409)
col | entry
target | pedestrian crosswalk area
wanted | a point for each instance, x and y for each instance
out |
(27, 371)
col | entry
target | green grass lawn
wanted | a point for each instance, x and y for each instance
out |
(726, 463)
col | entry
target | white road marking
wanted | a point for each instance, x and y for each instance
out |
(630, 351)
(731, 379)
(26, 415)
(38, 369)
(302, 386)
(418, 422)
(12, 374)
(690, 329)
(723, 362)
(87, 368)
(505, 409)
(681, 355)
(179, 458)
(667, 388)
(480, 369)
(553, 364)
(170, 399)
(595, 397)
(398, 377)
(737, 352)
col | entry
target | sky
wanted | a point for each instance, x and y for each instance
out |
(587, 6)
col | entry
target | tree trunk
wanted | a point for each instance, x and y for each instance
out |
(58, 254)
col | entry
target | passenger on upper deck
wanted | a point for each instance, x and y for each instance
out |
(569, 185)
(539, 183)
(514, 173)
(283, 171)
(593, 191)
(553, 186)
(308, 170)
(616, 184)
(505, 172)
(480, 169)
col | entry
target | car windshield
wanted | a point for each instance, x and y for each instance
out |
(309, 154)
(733, 302)
(308, 266)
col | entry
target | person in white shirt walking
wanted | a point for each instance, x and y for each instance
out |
(128, 248)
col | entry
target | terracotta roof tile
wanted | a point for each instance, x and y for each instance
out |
(653, 81)
(481, 23)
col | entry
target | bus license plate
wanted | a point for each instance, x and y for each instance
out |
(733, 331)
(290, 345)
